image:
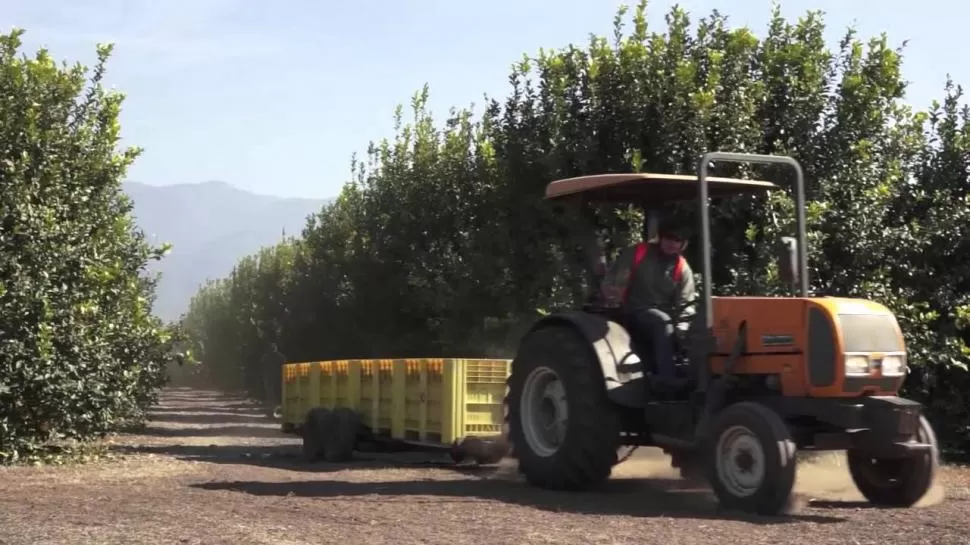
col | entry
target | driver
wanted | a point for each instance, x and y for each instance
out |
(650, 281)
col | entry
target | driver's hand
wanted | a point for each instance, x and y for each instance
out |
(682, 334)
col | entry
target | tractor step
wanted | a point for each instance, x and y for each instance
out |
(672, 419)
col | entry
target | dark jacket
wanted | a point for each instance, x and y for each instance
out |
(653, 284)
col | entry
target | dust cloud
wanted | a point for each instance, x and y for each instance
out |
(821, 478)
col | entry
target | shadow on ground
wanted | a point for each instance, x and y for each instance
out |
(207, 417)
(844, 504)
(213, 431)
(216, 410)
(635, 496)
(290, 458)
(196, 398)
(654, 497)
(187, 413)
(224, 417)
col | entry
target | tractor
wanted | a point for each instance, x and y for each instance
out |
(765, 376)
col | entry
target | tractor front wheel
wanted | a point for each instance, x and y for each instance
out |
(751, 459)
(563, 427)
(899, 482)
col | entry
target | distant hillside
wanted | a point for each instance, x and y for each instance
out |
(211, 225)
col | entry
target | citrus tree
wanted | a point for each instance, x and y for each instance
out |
(80, 352)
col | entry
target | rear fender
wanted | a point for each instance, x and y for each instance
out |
(610, 344)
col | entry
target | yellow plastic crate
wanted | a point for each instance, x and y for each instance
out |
(290, 395)
(429, 400)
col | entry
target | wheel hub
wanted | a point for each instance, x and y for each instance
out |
(744, 460)
(544, 411)
(740, 461)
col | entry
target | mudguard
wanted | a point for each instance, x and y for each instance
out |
(610, 344)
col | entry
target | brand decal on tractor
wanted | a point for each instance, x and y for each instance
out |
(777, 340)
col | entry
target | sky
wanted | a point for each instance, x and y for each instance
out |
(275, 97)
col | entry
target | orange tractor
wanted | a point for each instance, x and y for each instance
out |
(765, 376)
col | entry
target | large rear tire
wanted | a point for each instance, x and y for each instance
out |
(897, 482)
(751, 459)
(563, 427)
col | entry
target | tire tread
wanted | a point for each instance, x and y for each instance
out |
(589, 452)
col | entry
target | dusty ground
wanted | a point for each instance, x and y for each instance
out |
(212, 470)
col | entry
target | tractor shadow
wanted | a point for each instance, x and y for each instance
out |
(215, 428)
(290, 458)
(642, 498)
(841, 504)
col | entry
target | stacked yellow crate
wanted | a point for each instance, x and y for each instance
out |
(427, 400)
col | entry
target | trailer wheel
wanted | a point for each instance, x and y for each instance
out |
(315, 431)
(343, 437)
(751, 459)
(562, 427)
(897, 482)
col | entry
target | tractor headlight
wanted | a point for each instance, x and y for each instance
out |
(857, 365)
(893, 366)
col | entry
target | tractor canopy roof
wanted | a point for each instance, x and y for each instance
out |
(644, 186)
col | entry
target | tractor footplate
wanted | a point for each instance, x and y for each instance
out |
(670, 418)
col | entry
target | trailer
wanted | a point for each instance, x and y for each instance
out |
(452, 405)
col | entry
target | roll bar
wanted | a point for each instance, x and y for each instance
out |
(705, 214)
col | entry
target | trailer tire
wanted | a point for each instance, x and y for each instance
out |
(343, 436)
(316, 429)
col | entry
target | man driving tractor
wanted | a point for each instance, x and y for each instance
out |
(768, 375)
(653, 285)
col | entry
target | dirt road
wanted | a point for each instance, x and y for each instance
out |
(211, 469)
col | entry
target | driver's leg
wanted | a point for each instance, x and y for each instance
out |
(657, 324)
(639, 326)
(651, 327)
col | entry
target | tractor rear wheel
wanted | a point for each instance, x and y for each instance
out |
(897, 482)
(751, 459)
(563, 428)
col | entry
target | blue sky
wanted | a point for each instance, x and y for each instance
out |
(274, 97)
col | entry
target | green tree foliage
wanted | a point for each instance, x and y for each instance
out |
(441, 245)
(80, 352)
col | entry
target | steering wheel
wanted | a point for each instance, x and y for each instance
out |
(677, 317)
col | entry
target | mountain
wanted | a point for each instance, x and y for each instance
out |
(211, 226)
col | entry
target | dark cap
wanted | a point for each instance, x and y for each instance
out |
(674, 228)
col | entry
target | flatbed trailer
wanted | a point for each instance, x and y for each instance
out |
(453, 405)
